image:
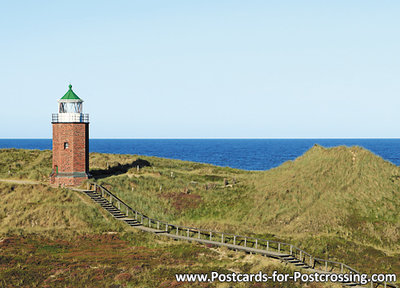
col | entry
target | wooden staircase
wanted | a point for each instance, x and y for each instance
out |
(116, 213)
(283, 251)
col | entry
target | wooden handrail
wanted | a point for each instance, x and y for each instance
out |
(237, 240)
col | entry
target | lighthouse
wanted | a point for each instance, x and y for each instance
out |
(70, 142)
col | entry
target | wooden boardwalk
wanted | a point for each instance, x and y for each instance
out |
(283, 251)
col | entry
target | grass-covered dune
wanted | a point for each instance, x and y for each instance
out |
(346, 191)
(55, 237)
(340, 203)
(40, 209)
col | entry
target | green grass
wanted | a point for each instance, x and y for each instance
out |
(327, 201)
(53, 237)
(25, 164)
(339, 203)
(49, 211)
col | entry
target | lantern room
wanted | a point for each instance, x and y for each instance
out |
(70, 108)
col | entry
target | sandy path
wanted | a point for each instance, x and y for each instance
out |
(20, 181)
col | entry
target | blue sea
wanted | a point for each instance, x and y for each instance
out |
(248, 154)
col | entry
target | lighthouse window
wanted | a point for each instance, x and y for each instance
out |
(70, 107)
(65, 145)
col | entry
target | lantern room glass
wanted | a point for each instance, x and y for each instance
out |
(70, 107)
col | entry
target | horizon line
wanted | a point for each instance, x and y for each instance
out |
(208, 138)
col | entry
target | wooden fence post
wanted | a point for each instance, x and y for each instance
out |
(303, 256)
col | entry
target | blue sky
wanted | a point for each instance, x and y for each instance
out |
(183, 69)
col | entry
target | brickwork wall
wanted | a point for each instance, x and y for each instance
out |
(68, 181)
(75, 158)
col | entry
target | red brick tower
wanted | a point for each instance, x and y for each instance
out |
(70, 142)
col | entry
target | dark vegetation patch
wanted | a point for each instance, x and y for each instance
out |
(183, 201)
(104, 260)
(90, 260)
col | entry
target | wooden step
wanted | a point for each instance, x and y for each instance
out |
(294, 261)
(288, 258)
(109, 206)
(115, 212)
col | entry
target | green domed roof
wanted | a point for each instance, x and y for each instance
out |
(70, 95)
